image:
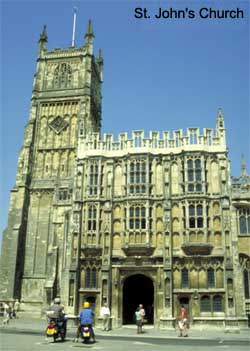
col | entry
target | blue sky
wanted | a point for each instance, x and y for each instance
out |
(158, 74)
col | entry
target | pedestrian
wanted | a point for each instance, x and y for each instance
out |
(143, 314)
(16, 308)
(183, 322)
(6, 315)
(10, 310)
(183, 312)
(105, 314)
(138, 320)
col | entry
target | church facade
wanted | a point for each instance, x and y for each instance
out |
(155, 220)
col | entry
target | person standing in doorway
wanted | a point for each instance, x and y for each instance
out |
(105, 314)
(138, 320)
(142, 312)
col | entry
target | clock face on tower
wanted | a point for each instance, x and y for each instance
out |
(58, 124)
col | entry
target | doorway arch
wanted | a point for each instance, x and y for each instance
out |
(138, 289)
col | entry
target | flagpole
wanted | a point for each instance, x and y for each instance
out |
(74, 27)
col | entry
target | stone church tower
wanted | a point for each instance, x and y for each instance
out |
(65, 104)
(151, 219)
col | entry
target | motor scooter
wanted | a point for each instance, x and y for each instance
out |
(85, 333)
(57, 329)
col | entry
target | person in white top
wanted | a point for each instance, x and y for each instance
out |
(142, 312)
(15, 308)
(105, 314)
(6, 313)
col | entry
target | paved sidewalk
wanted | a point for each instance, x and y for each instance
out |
(38, 325)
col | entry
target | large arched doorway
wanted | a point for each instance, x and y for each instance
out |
(138, 289)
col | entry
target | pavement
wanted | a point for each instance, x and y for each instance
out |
(37, 326)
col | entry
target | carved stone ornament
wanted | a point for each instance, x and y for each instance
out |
(138, 250)
(58, 124)
(197, 248)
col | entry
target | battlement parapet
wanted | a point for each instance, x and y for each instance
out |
(61, 52)
(156, 140)
(241, 187)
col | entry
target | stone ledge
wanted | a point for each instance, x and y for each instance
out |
(197, 248)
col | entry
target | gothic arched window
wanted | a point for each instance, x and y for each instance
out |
(92, 217)
(198, 175)
(246, 278)
(93, 179)
(137, 217)
(199, 212)
(94, 278)
(217, 303)
(191, 216)
(91, 278)
(210, 278)
(194, 175)
(243, 225)
(184, 278)
(205, 304)
(137, 177)
(62, 76)
(245, 265)
(244, 221)
(195, 216)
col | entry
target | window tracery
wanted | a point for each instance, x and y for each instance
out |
(195, 216)
(64, 194)
(217, 303)
(137, 177)
(205, 304)
(137, 217)
(216, 306)
(194, 175)
(246, 280)
(92, 217)
(244, 221)
(210, 278)
(245, 264)
(184, 278)
(62, 76)
(93, 179)
(91, 277)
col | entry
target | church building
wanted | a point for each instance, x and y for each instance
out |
(154, 219)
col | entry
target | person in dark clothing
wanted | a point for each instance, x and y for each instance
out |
(56, 313)
(58, 309)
